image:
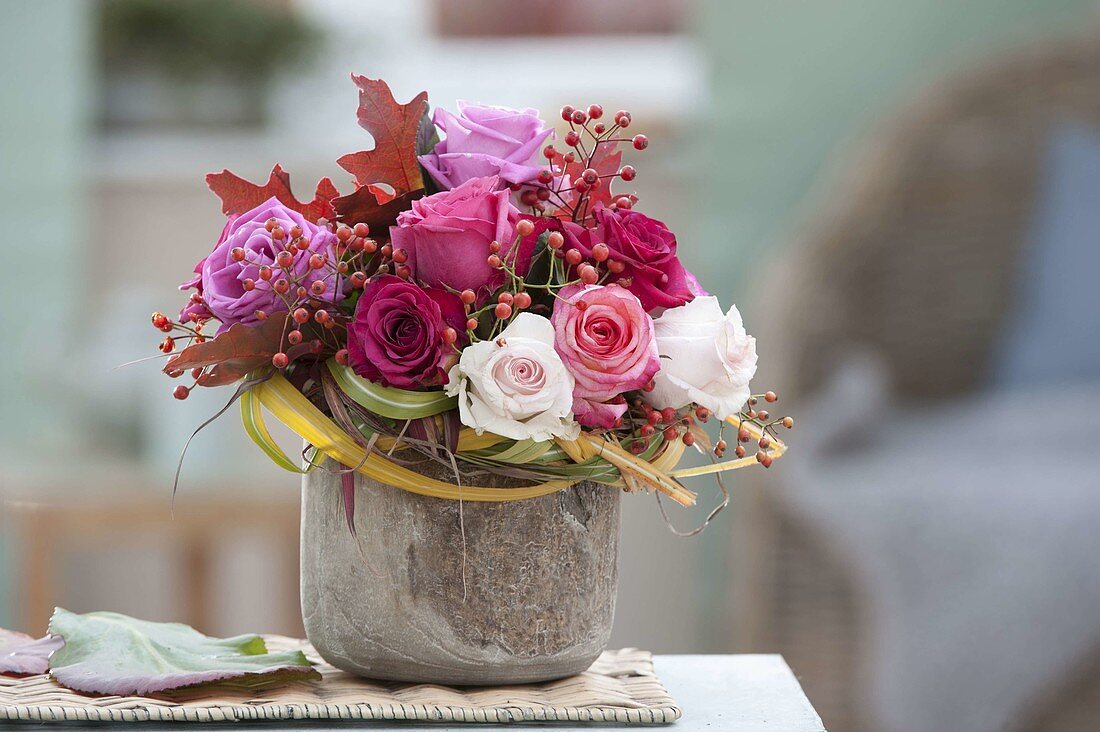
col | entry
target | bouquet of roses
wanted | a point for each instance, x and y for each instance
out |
(486, 300)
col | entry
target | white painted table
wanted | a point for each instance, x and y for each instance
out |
(728, 693)
(742, 693)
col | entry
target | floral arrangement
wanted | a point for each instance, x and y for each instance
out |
(484, 301)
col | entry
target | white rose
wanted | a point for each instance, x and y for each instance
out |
(516, 385)
(706, 358)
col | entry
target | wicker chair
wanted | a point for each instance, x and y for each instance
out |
(915, 260)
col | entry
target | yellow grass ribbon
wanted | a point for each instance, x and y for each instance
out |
(290, 407)
(639, 469)
(293, 409)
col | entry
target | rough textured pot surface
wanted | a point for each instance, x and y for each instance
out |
(389, 603)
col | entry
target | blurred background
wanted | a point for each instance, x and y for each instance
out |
(902, 196)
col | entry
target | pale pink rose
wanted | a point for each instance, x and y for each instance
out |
(606, 340)
(515, 385)
(706, 358)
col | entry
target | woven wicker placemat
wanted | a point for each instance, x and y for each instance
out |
(619, 687)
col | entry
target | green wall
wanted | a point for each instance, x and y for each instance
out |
(46, 67)
(44, 71)
(794, 83)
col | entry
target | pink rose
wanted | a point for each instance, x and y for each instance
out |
(447, 236)
(606, 340)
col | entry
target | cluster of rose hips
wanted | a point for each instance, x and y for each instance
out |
(646, 422)
(767, 427)
(589, 272)
(571, 193)
(508, 302)
(179, 332)
(515, 297)
(353, 254)
(165, 325)
(672, 423)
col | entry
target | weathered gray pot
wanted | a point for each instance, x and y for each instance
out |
(390, 603)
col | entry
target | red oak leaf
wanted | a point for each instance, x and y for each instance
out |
(390, 168)
(239, 195)
(234, 353)
(605, 160)
(364, 206)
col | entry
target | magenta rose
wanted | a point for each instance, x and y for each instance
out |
(396, 336)
(606, 340)
(447, 237)
(220, 279)
(647, 249)
(482, 141)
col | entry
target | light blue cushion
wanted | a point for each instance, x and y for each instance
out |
(1053, 333)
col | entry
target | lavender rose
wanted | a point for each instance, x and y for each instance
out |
(396, 337)
(606, 340)
(220, 280)
(482, 141)
(447, 237)
(646, 249)
(195, 310)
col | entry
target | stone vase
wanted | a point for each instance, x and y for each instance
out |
(528, 595)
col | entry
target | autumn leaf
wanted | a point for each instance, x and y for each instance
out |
(239, 195)
(390, 169)
(605, 161)
(363, 206)
(233, 354)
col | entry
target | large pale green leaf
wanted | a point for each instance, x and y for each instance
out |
(110, 653)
